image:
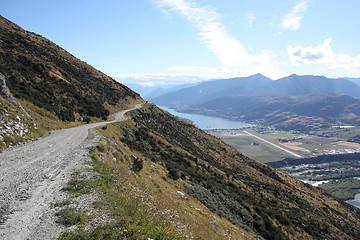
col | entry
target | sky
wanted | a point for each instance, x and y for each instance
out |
(153, 42)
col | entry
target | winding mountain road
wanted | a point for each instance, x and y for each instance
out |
(32, 175)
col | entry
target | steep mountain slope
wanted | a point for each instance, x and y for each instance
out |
(316, 113)
(41, 72)
(236, 187)
(244, 107)
(207, 91)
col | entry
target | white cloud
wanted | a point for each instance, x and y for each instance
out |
(198, 68)
(234, 59)
(324, 54)
(213, 33)
(292, 20)
(156, 79)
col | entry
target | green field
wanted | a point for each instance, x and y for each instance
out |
(341, 179)
(301, 144)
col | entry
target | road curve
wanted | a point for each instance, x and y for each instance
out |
(31, 176)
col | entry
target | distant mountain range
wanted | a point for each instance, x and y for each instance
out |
(210, 90)
(150, 92)
(258, 84)
(295, 102)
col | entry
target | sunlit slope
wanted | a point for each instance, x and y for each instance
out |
(39, 71)
(236, 187)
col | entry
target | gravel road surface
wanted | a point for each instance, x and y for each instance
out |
(32, 174)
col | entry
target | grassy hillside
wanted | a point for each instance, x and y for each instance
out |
(142, 199)
(43, 73)
(203, 188)
(247, 193)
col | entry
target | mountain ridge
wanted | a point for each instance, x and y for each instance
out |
(44, 73)
(258, 84)
(210, 90)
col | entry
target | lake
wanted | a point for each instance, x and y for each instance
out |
(356, 201)
(206, 122)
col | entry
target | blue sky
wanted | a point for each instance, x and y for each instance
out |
(164, 41)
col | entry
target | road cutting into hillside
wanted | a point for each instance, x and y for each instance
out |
(32, 175)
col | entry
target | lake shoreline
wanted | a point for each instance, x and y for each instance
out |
(206, 122)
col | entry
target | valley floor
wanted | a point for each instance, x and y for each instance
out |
(268, 145)
(340, 177)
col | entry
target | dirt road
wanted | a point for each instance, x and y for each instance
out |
(31, 176)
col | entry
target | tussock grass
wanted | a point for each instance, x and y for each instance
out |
(62, 203)
(71, 216)
(132, 218)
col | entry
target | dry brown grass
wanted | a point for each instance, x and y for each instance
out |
(186, 214)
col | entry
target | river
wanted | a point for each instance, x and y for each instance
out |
(206, 122)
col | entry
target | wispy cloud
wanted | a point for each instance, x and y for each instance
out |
(323, 53)
(292, 20)
(213, 33)
(251, 18)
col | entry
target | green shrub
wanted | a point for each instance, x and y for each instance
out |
(137, 165)
(78, 186)
(71, 216)
(86, 119)
(101, 147)
(62, 204)
(174, 174)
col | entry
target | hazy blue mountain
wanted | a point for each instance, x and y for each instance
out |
(210, 90)
(308, 84)
(149, 92)
(258, 85)
(354, 80)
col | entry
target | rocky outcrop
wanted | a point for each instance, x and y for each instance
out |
(14, 120)
(9, 127)
(5, 93)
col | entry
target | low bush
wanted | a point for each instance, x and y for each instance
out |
(137, 165)
(71, 216)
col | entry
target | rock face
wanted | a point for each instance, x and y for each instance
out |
(6, 94)
(12, 114)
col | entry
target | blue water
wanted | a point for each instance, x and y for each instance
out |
(207, 122)
(354, 203)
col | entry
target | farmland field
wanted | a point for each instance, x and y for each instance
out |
(305, 145)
